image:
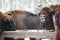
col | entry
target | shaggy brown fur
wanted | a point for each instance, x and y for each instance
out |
(45, 9)
(22, 19)
(14, 12)
(51, 7)
(57, 19)
(1, 24)
(48, 15)
(56, 11)
(1, 15)
(57, 8)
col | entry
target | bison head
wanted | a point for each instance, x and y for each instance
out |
(45, 15)
(46, 18)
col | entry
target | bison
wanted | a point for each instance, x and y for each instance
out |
(27, 20)
(48, 24)
(56, 12)
(57, 21)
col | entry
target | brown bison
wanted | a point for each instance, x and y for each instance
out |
(56, 12)
(57, 20)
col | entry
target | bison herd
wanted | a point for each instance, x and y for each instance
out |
(19, 19)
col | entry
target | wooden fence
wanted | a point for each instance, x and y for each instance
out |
(47, 34)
